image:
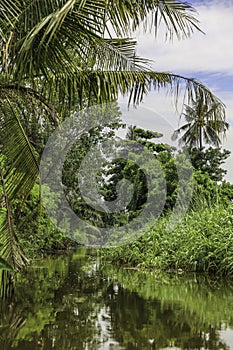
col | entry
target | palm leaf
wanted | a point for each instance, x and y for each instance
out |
(19, 108)
(10, 250)
(8, 15)
(21, 157)
(177, 132)
(47, 30)
(62, 42)
(191, 136)
(211, 136)
(177, 16)
(5, 266)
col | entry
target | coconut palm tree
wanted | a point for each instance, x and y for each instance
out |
(204, 125)
(58, 55)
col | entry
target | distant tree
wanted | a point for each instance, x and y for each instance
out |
(209, 161)
(135, 133)
(209, 175)
(121, 168)
(203, 125)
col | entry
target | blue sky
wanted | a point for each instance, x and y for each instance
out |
(208, 58)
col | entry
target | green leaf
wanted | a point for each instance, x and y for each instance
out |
(5, 266)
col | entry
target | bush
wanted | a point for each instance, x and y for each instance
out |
(202, 242)
(36, 231)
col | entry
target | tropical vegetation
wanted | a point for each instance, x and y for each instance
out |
(60, 56)
(202, 241)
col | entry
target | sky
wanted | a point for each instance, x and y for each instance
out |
(207, 57)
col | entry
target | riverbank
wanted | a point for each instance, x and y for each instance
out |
(202, 242)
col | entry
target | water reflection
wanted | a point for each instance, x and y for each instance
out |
(73, 302)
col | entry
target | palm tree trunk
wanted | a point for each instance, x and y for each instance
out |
(200, 137)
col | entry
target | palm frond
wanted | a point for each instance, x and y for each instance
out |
(189, 114)
(105, 86)
(211, 136)
(19, 108)
(175, 135)
(9, 11)
(191, 136)
(10, 250)
(4, 265)
(46, 30)
(21, 157)
(178, 17)
(178, 131)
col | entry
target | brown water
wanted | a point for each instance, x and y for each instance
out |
(76, 303)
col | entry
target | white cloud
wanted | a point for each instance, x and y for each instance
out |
(212, 52)
(156, 113)
(227, 98)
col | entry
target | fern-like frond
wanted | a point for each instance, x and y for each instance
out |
(50, 34)
(9, 249)
(21, 110)
(21, 157)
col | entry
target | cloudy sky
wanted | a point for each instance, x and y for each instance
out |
(208, 58)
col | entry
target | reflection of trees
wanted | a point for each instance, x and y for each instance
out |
(137, 321)
(78, 301)
(32, 306)
(167, 312)
(12, 321)
(64, 304)
(59, 303)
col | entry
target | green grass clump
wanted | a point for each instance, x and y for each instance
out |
(202, 242)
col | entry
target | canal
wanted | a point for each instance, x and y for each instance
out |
(76, 302)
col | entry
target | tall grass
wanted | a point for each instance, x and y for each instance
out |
(202, 242)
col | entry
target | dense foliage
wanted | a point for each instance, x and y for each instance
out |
(209, 161)
(202, 242)
(58, 56)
